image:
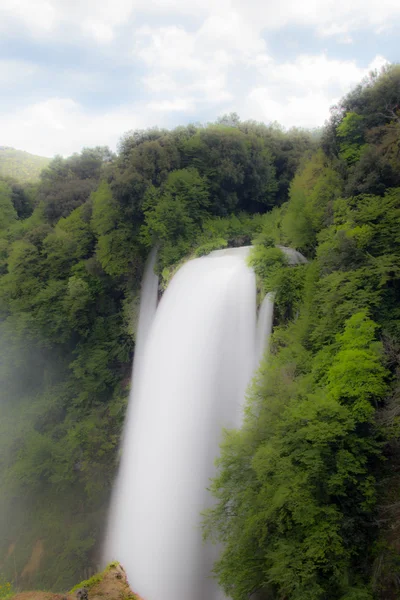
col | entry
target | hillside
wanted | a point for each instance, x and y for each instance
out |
(110, 584)
(20, 165)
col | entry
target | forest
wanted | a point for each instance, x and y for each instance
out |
(307, 491)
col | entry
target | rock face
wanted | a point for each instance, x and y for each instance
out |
(111, 584)
(82, 594)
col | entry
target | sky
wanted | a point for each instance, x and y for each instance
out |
(78, 73)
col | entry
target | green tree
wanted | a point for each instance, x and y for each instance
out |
(174, 214)
(8, 213)
(351, 135)
(294, 490)
(310, 208)
(114, 249)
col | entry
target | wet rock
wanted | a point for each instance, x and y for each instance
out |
(82, 594)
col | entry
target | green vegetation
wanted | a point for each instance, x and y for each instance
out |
(72, 251)
(307, 490)
(21, 166)
(6, 589)
(95, 579)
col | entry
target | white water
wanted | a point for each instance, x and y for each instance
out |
(147, 311)
(294, 256)
(148, 306)
(194, 366)
(264, 325)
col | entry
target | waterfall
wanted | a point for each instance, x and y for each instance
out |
(147, 311)
(148, 305)
(294, 256)
(192, 366)
(264, 325)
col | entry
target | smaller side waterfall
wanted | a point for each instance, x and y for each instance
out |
(120, 510)
(148, 306)
(294, 256)
(147, 311)
(264, 325)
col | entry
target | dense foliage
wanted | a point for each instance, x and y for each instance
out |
(306, 502)
(72, 251)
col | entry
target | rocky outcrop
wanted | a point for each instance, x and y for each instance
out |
(111, 584)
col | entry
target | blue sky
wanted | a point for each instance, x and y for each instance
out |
(77, 73)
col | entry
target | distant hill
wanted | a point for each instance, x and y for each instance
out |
(21, 165)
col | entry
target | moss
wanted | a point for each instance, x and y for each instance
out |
(106, 586)
(208, 247)
(97, 578)
(88, 583)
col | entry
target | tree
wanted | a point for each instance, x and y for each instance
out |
(312, 193)
(174, 213)
(115, 249)
(68, 182)
(350, 132)
(8, 214)
(294, 493)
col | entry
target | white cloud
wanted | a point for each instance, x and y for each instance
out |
(170, 48)
(219, 67)
(318, 71)
(100, 19)
(174, 105)
(16, 72)
(219, 42)
(62, 126)
(160, 82)
(204, 64)
(101, 32)
(300, 111)
(231, 32)
(300, 93)
(377, 63)
(38, 17)
(296, 93)
(212, 59)
(328, 18)
(224, 65)
(96, 19)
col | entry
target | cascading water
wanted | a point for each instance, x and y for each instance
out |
(264, 325)
(147, 310)
(148, 306)
(294, 256)
(190, 377)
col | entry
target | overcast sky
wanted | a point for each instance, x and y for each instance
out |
(77, 73)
